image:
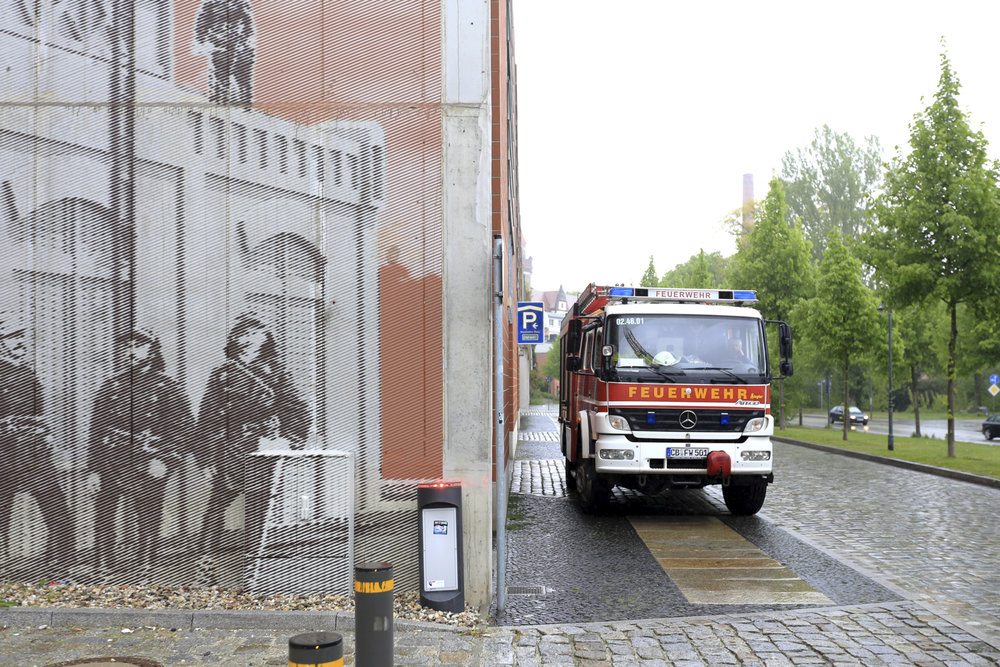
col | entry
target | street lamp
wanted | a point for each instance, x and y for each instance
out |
(881, 306)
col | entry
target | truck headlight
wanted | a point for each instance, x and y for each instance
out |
(756, 455)
(617, 454)
(618, 423)
(756, 424)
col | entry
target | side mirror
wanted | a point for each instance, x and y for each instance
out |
(785, 343)
(573, 336)
(785, 367)
(572, 364)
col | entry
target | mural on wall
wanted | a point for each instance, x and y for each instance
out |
(205, 263)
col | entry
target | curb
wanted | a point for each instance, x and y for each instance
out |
(908, 465)
(196, 619)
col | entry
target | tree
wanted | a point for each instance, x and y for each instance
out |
(551, 366)
(649, 277)
(700, 276)
(775, 262)
(739, 221)
(828, 184)
(702, 270)
(938, 220)
(918, 330)
(841, 318)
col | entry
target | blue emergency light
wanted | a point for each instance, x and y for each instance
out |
(622, 291)
(744, 296)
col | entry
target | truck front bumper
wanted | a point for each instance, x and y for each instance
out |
(616, 454)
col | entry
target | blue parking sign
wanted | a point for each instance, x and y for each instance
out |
(530, 316)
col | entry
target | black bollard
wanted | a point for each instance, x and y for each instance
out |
(316, 649)
(373, 645)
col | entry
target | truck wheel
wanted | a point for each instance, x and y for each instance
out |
(990, 434)
(745, 499)
(591, 491)
(570, 474)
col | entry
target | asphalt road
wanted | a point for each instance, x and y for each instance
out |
(966, 430)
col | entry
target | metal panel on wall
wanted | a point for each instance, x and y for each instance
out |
(205, 258)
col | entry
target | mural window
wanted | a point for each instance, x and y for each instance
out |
(300, 157)
(281, 145)
(260, 139)
(217, 127)
(240, 136)
(197, 132)
(317, 157)
(338, 168)
(287, 273)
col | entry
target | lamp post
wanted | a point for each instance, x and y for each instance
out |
(881, 306)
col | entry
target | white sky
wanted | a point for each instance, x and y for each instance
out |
(637, 119)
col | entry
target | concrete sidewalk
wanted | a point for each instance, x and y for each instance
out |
(899, 633)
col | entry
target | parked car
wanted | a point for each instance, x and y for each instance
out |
(857, 417)
(991, 427)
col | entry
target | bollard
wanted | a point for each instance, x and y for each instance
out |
(316, 649)
(373, 645)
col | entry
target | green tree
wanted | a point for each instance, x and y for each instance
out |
(918, 331)
(649, 277)
(828, 185)
(840, 320)
(550, 368)
(938, 220)
(775, 262)
(700, 275)
(709, 270)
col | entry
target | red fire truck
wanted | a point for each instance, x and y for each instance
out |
(668, 388)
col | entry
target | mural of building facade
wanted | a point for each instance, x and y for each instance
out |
(221, 252)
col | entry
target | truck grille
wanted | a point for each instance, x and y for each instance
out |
(669, 419)
(679, 464)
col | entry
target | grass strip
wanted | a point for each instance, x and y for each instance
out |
(969, 457)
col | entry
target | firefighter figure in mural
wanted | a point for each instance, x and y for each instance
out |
(249, 404)
(26, 463)
(140, 433)
(223, 30)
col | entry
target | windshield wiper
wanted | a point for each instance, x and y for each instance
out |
(722, 369)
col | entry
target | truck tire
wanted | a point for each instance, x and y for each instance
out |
(990, 434)
(745, 499)
(592, 491)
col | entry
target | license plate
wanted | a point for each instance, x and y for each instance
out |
(687, 452)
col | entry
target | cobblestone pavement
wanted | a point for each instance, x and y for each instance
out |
(935, 541)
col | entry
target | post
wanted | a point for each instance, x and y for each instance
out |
(498, 430)
(373, 586)
(890, 381)
(316, 648)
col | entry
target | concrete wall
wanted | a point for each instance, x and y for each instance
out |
(468, 374)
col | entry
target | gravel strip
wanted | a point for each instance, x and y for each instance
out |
(406, 605)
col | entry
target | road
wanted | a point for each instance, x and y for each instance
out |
(833, 528)
(966, 430)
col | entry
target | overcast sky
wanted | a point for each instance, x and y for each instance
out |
(637, 119)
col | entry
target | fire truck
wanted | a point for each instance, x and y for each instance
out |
(664, 388)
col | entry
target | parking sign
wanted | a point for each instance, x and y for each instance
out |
(529, 322)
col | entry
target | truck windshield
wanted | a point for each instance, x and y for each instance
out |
(685, 348)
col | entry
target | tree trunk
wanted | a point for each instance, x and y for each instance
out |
(952, 340)
(847, 406)
(916, 401)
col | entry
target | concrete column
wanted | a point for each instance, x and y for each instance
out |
(468, 244)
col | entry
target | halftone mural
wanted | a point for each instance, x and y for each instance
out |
(220, 251)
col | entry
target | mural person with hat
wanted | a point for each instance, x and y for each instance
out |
(223, 30)
(140, 431)
(249, 402)
(26, 447)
